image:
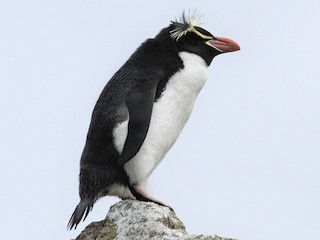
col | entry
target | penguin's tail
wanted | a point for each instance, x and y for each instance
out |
(83, 208)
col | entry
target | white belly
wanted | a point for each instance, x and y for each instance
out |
(169, 115)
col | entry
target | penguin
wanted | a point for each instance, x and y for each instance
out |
(142, 110)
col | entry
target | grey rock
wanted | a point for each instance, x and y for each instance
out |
(135, 220)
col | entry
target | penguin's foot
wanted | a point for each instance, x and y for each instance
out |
(140, 194)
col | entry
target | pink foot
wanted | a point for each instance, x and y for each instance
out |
(140, 194)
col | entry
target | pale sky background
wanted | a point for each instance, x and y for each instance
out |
(247, 164)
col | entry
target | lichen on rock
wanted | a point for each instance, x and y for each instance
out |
(135, 220)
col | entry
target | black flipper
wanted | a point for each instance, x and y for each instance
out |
(139, 102)
(83, 208)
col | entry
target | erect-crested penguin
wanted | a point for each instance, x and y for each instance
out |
(142, 110)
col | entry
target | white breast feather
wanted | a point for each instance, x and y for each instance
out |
(169, 115)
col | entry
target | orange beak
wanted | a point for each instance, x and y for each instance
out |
(223, 44)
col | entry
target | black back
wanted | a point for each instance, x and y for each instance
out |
(146, 71)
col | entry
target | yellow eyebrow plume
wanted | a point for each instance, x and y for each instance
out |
(187, 23)
(193, 29)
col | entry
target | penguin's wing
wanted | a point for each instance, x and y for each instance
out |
(139, 102)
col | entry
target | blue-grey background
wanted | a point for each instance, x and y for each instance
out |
(247, 163)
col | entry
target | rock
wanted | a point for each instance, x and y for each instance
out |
(135, 220)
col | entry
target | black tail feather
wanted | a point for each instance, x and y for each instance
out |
(83, 208)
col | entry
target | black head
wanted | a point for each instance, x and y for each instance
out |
(186, 35)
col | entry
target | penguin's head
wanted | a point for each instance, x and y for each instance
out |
(186, 35)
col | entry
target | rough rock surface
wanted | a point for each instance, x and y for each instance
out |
(135, 220)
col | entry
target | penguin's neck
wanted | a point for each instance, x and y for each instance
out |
(194, 72)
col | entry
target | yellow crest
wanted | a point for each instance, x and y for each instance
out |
(187, 23)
